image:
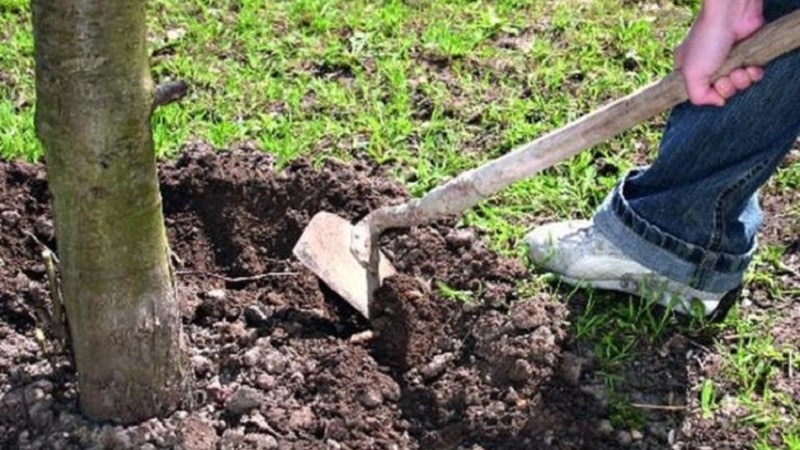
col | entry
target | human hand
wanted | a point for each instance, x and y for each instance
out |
(720, 25)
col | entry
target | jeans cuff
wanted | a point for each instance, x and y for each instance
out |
(664, 253)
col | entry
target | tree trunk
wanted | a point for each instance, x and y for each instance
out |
(94, 97)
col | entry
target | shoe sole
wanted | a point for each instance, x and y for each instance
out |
(679, 305)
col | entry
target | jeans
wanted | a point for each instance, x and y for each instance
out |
(693, 214)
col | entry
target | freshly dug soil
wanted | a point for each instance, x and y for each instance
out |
(281, 362)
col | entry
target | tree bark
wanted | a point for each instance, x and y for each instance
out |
(94, 97)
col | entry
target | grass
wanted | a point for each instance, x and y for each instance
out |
(752, 360)
(448, 292)
(429, 89)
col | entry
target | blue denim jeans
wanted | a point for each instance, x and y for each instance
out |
(693, 215)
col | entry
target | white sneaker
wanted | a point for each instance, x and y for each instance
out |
(580, 256)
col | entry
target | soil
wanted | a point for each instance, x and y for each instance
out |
(281, 362)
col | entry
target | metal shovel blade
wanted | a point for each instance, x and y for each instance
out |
(324, 247)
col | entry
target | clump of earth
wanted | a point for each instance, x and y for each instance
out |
(281, 362)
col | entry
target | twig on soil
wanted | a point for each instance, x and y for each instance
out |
(38, 241)
(362, 337)
(236, 279)
(787, 269)
(659, 407)
(738, 337)
(264, 425)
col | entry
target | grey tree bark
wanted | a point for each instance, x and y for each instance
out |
(94, 97)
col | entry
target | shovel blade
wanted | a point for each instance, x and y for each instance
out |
(324, 247)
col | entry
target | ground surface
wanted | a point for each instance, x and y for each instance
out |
(425, 90)
(281, 362)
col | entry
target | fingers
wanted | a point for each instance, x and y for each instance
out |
(700, 89)
(756, 73)
(704, 92)
(737, 81)
(725, 87)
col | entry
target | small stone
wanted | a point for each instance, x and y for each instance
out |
(34, 393)
(255, 316)
(297, 377)
(173, 34)
(460, 238)
(216, 294)
(279, 334)
(258, 420)
(520, 371)
(302, 418)
(215, 390)
(275, 363)
(472, 399)
(636, 435)
(370, 398)
(232, 438)
(201, 365)
(275, 299)
(168, 438)
(251, 357)
(43, 227)
(243, 400)
(512, 398)
(436, 366)
(333, 445)
(10, 217)
(364, 336)
(391, 392)
(605, 428)
(270, 442)
(265, 381)
(150, 429)
(624, 438)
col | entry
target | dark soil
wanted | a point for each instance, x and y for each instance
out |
(280, 362)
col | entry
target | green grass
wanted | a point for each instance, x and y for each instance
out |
(430, 89)
(462, 296)
(751, 361)
(17, 139)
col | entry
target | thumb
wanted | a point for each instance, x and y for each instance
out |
(701, 92)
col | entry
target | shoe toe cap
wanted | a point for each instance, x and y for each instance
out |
(544, 242)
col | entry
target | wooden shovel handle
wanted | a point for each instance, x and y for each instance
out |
(466, 190)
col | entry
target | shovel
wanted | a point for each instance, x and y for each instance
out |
(347, 257)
